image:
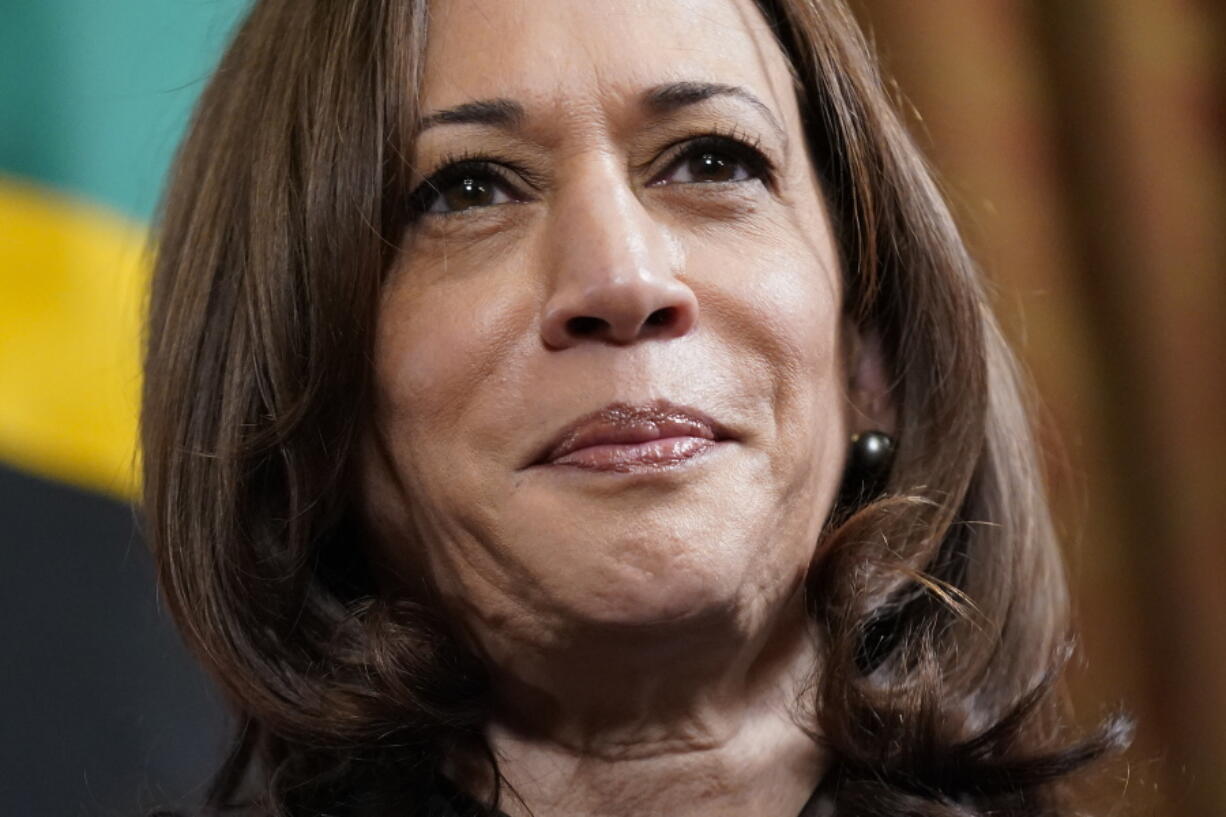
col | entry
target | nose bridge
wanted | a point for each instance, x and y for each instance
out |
(613, 265)
(602, 227)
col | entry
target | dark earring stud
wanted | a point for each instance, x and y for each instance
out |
(868, 469)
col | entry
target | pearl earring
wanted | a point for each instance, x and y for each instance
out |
(868, 468)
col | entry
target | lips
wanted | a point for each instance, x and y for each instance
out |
(621, 436)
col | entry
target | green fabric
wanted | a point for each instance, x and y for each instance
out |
(95, 94)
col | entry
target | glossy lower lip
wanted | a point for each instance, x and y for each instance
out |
(629, 457)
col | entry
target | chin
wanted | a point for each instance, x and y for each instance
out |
(660, 603)
(642, 585)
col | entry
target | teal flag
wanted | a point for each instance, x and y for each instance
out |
(94, 94)
(94, 98)
(103, 711)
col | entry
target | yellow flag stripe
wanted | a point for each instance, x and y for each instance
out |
(72, 284)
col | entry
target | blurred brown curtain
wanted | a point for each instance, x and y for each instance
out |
(1083, 143)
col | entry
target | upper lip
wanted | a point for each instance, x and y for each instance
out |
(627, 423)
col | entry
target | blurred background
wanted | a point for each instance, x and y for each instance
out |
(1083, 146)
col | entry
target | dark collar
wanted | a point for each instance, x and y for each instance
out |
(449, 801)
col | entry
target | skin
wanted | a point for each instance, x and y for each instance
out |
(646, 630)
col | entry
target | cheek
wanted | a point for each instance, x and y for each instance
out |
(448, 362)
(772, 296)
(441, 343)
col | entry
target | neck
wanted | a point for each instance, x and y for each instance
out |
(697, 718)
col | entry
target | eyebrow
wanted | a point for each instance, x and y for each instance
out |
(670, 97)
(660, 100)
(499, 113)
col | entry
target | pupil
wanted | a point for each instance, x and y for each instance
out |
(713, 167)
(468, 193)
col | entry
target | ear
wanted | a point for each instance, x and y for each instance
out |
(868, 381)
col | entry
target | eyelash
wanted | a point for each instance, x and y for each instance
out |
(745, 149)
(455, 168)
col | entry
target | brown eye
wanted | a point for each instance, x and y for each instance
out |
(713, 167)
(466, 193)
(461, 186)
(716, 159)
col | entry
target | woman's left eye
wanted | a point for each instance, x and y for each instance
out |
(715, 159)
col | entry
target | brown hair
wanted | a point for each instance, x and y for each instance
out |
(943, 601)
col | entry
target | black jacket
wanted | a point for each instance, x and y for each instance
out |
(448, 801)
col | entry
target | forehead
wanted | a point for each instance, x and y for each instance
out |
(566, 57)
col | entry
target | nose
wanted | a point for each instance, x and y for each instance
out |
(613, 269)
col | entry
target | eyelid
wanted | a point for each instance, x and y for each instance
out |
(746, 148)
(454, 168)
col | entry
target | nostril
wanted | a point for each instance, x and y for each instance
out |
(661, 317)
(585, 325)
(618, 322)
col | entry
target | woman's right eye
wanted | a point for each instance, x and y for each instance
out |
(461, 187)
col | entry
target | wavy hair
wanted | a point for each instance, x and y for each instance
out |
(943, 601)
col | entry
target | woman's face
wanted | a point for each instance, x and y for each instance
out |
(647, 240)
